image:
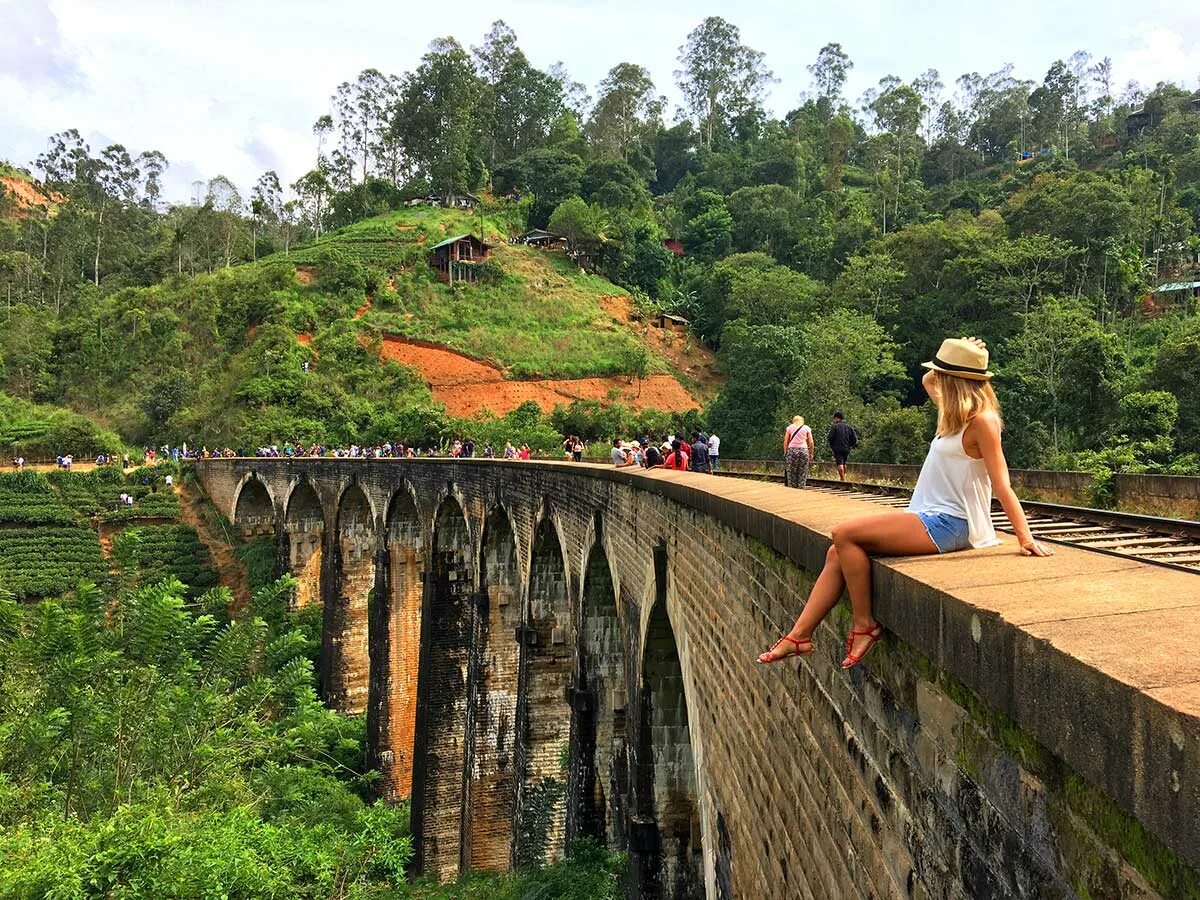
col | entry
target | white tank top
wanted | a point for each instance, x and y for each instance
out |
(956, 484)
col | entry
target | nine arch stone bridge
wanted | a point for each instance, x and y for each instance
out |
(546, 651)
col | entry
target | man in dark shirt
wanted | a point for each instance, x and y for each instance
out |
(699, 454)
(842, 439)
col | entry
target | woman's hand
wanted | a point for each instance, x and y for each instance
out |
(1032, 547)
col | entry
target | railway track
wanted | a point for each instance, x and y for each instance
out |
(1173, 543)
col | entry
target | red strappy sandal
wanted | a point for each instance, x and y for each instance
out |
(766, 656)
(874, 634)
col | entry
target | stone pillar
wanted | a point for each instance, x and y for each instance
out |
(395, 650)
(546, 720)
(344, 656)
(495, 664)
(438, 771)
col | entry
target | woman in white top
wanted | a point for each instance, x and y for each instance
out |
(950, 508)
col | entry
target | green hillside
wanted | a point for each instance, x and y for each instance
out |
(219, 359)
(539, 316)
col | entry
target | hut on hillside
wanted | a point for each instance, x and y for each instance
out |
(1174, 295)
(542, 240)
(676, 324)
(455, 258)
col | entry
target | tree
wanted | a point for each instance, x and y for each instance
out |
(364, 110)
(551, 175)
(313, 189)
(627, 112)
(720, 78)
(613, 184)
(226, 202)
(494, 58)
(709, 230)
(579, 223)
(848, 363)
(266, 202)
(1066, 368)
(575, 96)
(829, 76)
(869, 285)
(437, 119)
(152, 164)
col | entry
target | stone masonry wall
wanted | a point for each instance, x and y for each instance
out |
(1000, 742)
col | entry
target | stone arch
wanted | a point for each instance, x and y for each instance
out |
(254, 508)
(495, 670)
(345, 661)
(667, 830)
(394, 644)
(446, 628)
(549, 664)
(599, 780)
(303, 539)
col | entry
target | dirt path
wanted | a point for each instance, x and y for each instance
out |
(231, 573)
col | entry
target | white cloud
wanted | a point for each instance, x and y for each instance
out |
(1160, 54)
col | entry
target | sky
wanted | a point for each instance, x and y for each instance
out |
(233, 88)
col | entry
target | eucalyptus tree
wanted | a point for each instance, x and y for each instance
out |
(627, 112)
(720, 77)
(829, 76)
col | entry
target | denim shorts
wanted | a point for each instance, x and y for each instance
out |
(948, 533)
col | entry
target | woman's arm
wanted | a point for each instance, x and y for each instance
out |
(987, 434)
(787, 436)
(812, 447)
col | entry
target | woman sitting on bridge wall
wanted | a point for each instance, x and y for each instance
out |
(950, 507)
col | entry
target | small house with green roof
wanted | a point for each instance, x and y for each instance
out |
(455, 258)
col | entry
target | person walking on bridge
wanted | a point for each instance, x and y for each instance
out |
(842, 439)
(950, 507)
(797, 453)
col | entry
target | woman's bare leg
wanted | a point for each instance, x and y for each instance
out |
(821, 599)
(847, 565)
(887, 534)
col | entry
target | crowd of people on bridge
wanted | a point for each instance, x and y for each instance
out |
(702, 453)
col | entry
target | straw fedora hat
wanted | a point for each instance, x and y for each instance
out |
(962, 358)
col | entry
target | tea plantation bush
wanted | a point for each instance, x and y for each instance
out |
(45, 561)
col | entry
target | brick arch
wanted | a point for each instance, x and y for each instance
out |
(302, 536)
(667, 830)
(254, 505)
(446, 630)
(454, 492)
(599, 778)
(494, 686)
(350, 484)
(394, 644)
(345, 661)
(548, 636)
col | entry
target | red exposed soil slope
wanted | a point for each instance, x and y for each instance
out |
(27, 196)
(467, 386)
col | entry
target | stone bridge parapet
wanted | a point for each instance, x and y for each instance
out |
(547, 651)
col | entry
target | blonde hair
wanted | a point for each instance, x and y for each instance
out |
(797, 420)
(959, 400)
